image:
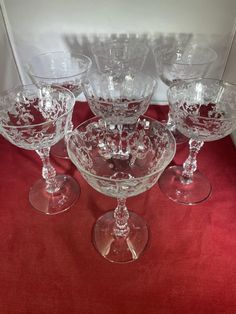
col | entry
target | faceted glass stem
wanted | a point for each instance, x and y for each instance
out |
(48, 171)
(70, 127)
(170, 122)
(190, 164)
(120, 129)
(121, 216)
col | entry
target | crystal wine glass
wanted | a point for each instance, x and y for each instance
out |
(119, 55)
(35, 119)
(120, 235)
(203, 110)
(177, 63)
(119, 101)
(59, 68)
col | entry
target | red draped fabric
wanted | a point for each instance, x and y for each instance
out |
(48, 264)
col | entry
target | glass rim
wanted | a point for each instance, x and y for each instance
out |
(76, 55)
(152, 78)
(172, 153)
(110, 43)
(222, 83)
(21, 87)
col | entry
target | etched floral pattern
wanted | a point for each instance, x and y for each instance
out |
(204, 109)
(121, 163)
(34, 118)
(119, 100)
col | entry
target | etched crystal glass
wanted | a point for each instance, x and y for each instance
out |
(178, 63)
(35, 119)
(203, 110)
(121, 235)
(60, 68)
(119, 101)
(119, 55)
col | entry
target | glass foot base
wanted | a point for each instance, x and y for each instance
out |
(179, 190)
(54, 203)
(59, 150)
(120, 249)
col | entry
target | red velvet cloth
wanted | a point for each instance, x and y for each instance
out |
(48, 264)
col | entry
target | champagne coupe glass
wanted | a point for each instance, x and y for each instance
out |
(119, 55)
(35, 119)
(119, 101)
(119, 235)
(203, 110)
(59, 68)
(178, 63)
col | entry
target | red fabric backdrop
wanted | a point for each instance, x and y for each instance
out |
(49, 265)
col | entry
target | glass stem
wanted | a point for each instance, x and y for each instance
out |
(170, 122)
(48, 171)
(69, 128)
(121, 216)
(120, 129)
(190, 164)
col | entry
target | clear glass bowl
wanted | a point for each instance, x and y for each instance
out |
(175, 63)
(119, 100)
(119, 55)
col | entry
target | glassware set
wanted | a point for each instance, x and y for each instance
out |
(120, 152)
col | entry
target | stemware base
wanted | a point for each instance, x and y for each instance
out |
(184, 191)
(58, 202)
(120, 249)
(59, 150)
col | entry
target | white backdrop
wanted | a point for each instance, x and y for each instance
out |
(39, 26)
(9, 76)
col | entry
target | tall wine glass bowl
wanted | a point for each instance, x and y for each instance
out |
(203, 110)
(176, 63)
(119, 100)
(121, 236)
(116, 56)
(35, 119)
(61, 68)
